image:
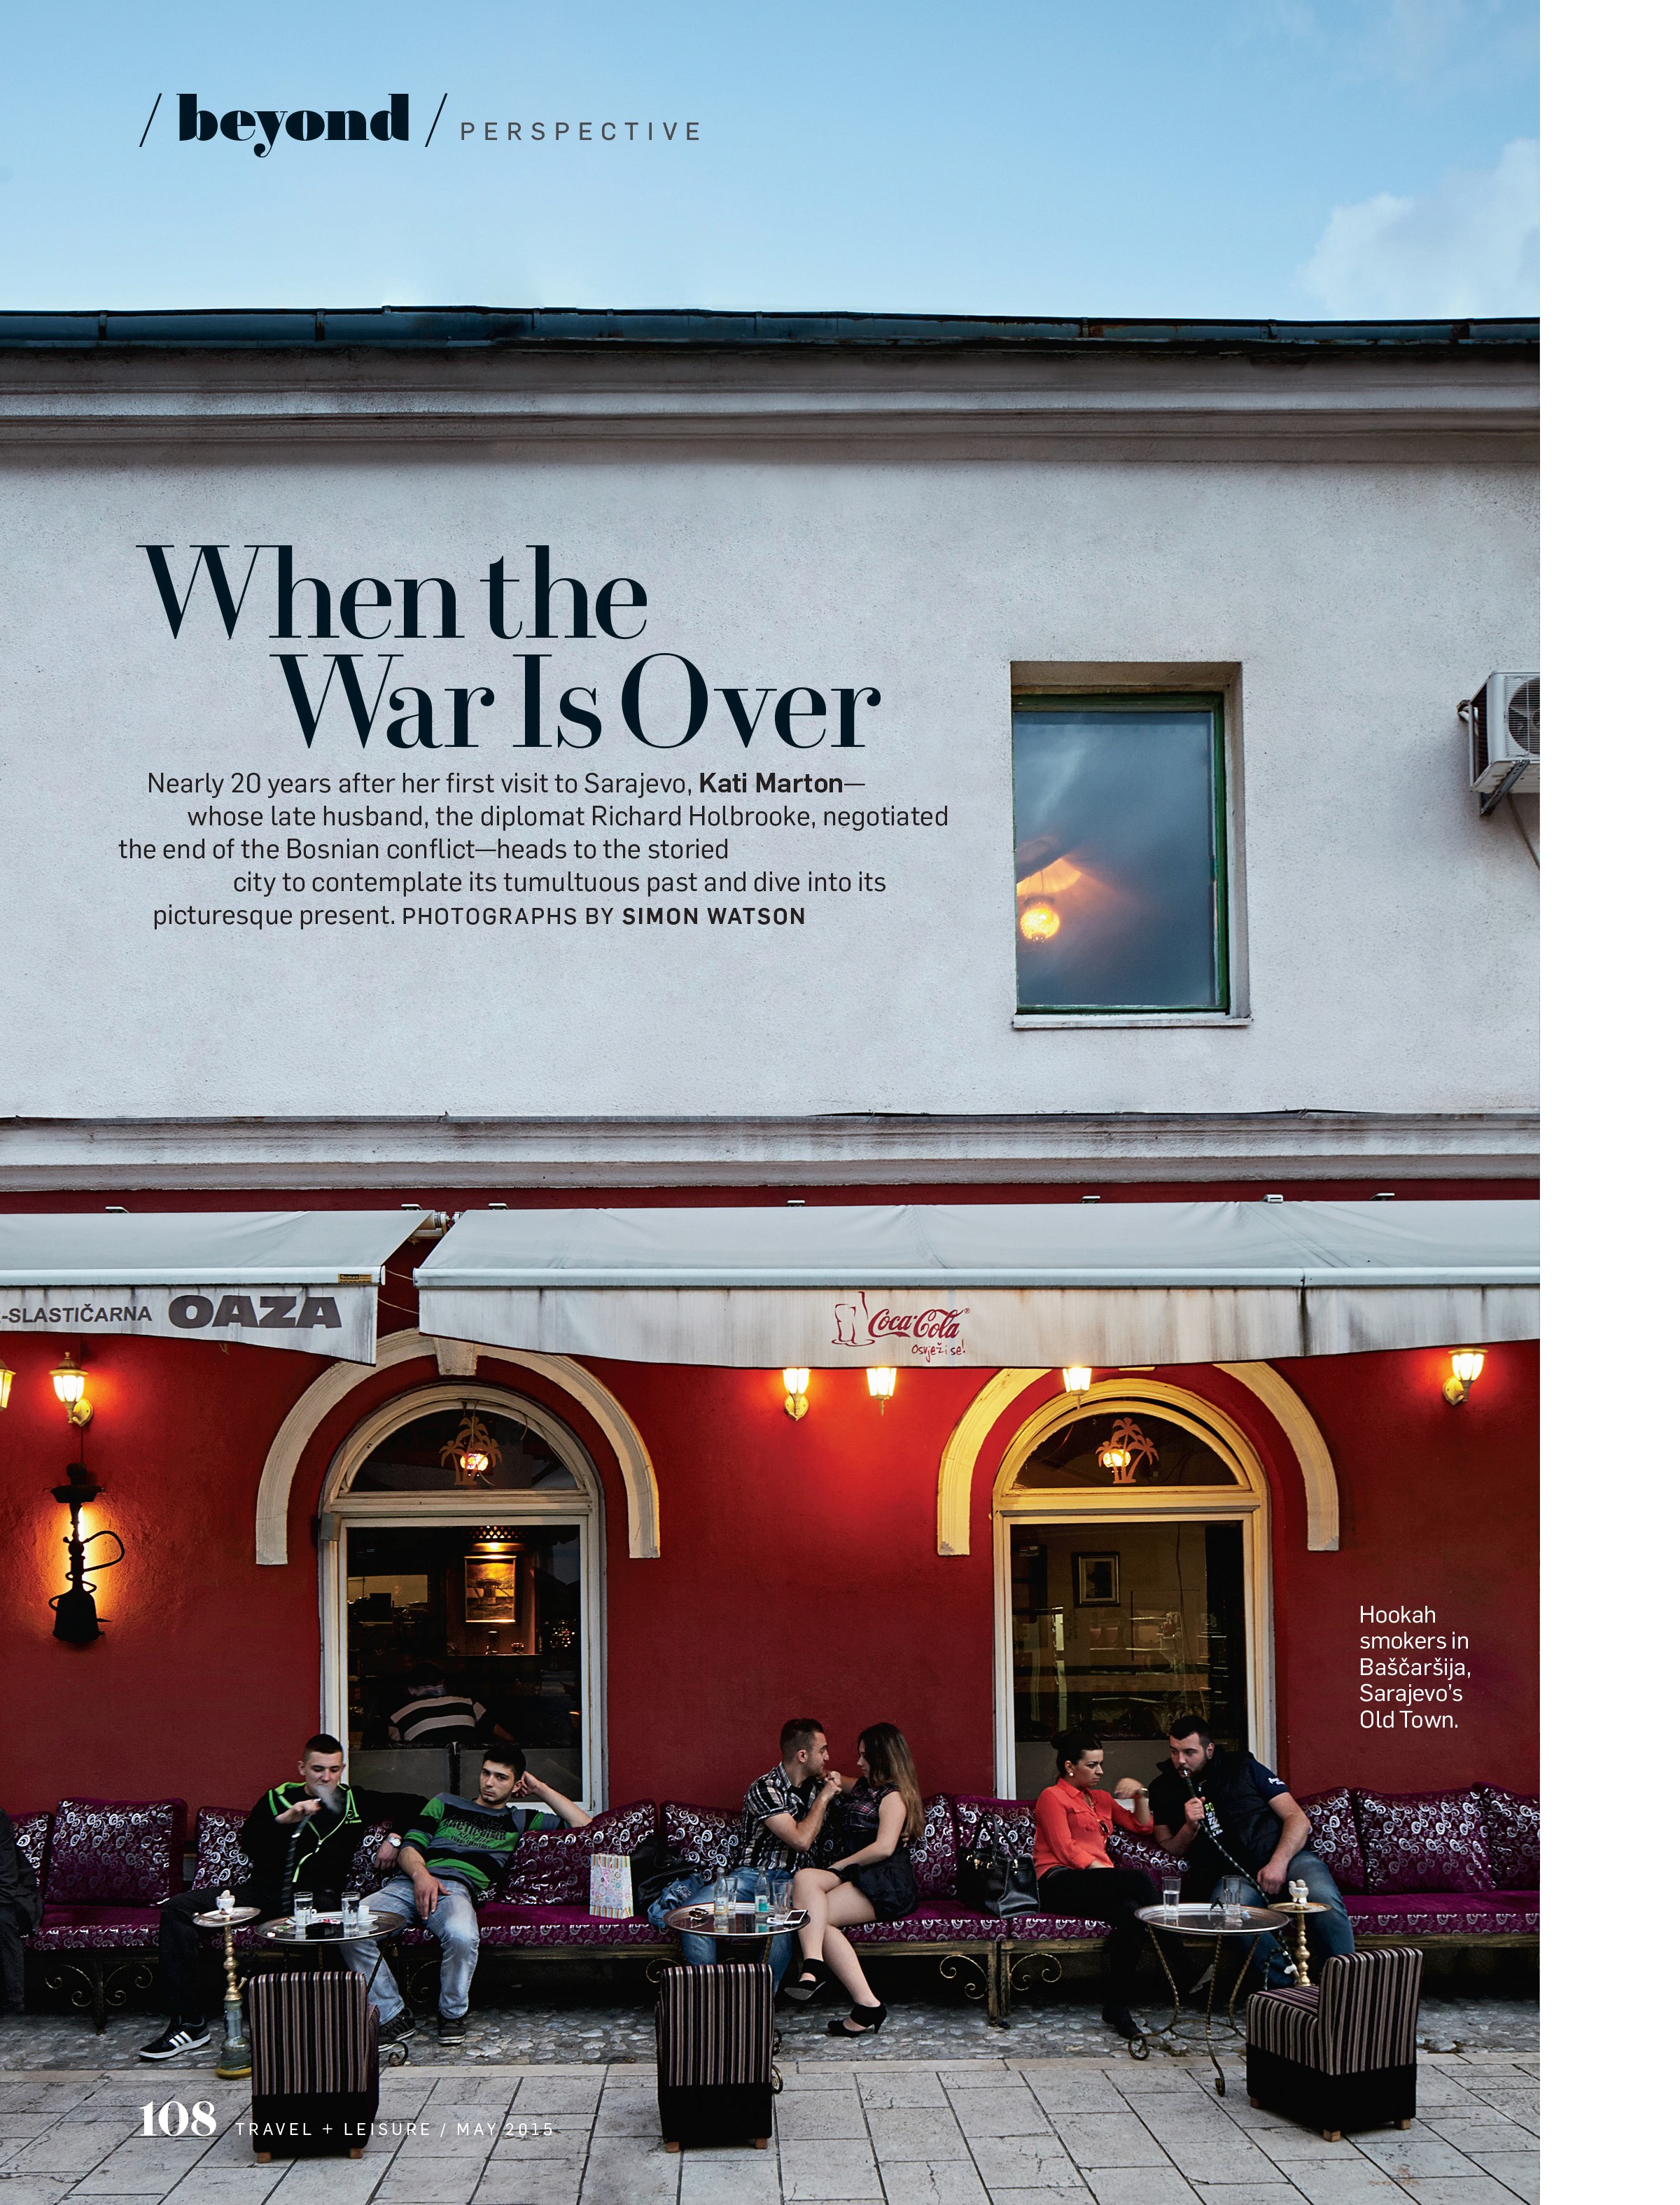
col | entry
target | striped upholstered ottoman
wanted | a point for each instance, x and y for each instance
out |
(1342, 2054)
(314, 2064)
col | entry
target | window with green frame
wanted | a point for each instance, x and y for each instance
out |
(1120, 868)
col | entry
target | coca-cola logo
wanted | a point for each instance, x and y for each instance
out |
(935, 1334)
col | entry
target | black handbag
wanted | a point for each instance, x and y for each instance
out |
(654, 1868)
(992, 1878)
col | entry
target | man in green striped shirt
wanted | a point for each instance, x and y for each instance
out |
(457, 1855)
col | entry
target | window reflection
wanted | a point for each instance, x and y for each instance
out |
(1117, 857)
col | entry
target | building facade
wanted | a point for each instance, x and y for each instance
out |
(524, 798)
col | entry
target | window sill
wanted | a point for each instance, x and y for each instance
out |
(1043, 1021)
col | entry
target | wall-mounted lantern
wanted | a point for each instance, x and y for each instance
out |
(6, 1378)
(1076, 1378)
(882, 1379)
(69, 1382)
(795, 1384)
(1467, 1364)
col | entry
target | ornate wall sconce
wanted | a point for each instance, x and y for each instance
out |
(1076, 1378)
(882, 1379)
(69, 1382)
(6, 1378)
(1467, 1364)
(795, 1386)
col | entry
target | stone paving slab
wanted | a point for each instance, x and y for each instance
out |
(1012, 2125)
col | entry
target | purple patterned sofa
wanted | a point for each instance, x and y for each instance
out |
(1443, 1868)
(1458, 1868)
(939, 1926)
(104, 1866)
(1447, 1868)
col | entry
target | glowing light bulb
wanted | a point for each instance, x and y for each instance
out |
(1039, 921)
(1467, 1364)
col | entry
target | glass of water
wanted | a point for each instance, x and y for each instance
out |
(1172, 1890)
(303, 1911)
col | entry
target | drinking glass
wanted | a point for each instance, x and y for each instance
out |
(781, 1892)
(303, 1911)
(1172, 1890)
(1230, 1900)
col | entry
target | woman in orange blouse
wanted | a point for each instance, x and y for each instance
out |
(1072, 1822)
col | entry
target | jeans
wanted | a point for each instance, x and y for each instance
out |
(454, 1923)
(1328, 1933)
(702, 1952)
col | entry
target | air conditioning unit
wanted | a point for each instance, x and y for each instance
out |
(1504, 720)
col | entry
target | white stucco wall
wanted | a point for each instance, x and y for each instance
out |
(1391, 931)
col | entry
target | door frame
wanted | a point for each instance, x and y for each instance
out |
(1249, 1502)
(342, 1511)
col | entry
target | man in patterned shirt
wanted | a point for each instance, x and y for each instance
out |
(457, 1854)
(784, 1810)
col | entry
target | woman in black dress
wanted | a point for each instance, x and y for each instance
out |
(871, 1879)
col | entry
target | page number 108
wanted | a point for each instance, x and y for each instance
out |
(172, 2119)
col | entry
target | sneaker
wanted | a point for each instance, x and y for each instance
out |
(180, 2036)
(451, 2030)
(399, 2026)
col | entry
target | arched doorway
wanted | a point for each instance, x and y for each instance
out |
(461, 1546)
(1131, 1530)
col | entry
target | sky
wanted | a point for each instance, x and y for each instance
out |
(1284, 158)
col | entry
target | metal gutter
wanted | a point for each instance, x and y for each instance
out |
(480, 329)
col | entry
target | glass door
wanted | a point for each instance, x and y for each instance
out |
(1119, 1628)
(460, 1598)
(453, 1640)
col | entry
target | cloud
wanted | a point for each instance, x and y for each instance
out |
(1472, 248)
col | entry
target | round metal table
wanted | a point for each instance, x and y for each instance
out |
(235, 2061)
(1212, 1924)
(740, 1939)
(324, 1949)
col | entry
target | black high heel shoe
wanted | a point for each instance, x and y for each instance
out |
(862, 2021)
(804, 1986)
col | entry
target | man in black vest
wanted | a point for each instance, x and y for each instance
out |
(20, 1913)
(1226, 1814)
(297, 1835)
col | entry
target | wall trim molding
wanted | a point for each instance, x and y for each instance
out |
(861, 1148)
(992, 1403)
(274, 1489)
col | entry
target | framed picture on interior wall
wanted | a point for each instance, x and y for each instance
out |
(492, 1587)
(1097, 1580)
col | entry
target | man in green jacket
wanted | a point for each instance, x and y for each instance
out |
(457, 1854)
(298, 1836)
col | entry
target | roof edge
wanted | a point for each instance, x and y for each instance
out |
(478, 329)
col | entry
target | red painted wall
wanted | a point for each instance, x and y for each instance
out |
(798, 1572)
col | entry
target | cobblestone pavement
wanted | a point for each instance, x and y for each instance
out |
(995, 2132)
(537, 2036)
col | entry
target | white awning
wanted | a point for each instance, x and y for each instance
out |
(302, 1279)
(987, 1285)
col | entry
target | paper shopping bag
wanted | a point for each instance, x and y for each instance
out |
(609, 1891)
